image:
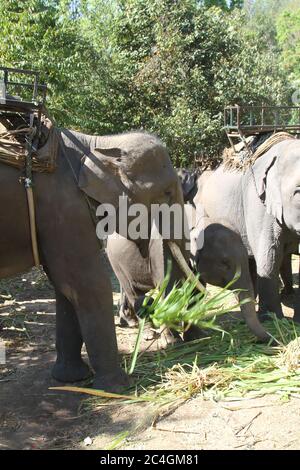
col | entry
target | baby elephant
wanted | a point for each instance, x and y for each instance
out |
(218, 260)
(132, 266)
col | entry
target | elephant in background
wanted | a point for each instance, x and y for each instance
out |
(262, 204)
(188, 180)
(195, 188)
(90, 170)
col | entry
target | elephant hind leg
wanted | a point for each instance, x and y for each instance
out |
(127, 314)
(69, 366)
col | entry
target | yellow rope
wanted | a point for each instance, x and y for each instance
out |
(32, 223)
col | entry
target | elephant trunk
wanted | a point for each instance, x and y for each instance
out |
(250, 316)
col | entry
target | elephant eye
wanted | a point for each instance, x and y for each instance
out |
(297, 192)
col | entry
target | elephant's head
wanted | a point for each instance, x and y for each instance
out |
(277, 176)
(219, 258)
(137, 165)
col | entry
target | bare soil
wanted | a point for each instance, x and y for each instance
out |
(34, 417)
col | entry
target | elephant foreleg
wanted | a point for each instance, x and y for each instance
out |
(92, 301)
(69, 366)
(268, 258)
(287, 275)
(269, 298)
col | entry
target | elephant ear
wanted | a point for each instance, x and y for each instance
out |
(268, 184)
(100, 175)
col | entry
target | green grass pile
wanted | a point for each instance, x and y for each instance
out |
(226, 364)
(184, 305)
(221, 366)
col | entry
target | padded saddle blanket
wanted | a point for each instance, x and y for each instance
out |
(243, 157)
(13, 145)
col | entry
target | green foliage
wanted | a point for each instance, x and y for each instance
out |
(224, 4)
(183, 64)
(167, 66)
(41, 35)
(288, 26)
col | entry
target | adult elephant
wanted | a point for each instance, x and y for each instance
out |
(90, 170)
(262, 204)
(192, 187)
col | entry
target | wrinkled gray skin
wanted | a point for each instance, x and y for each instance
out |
(133, 271)
(137, 274)
(187, 179)
(264, 208)
(136, 164)
(132, 276)
(222, 254)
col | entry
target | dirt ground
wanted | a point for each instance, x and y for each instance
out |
(34, 417)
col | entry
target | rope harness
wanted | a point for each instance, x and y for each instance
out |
(247, 156)
(19, 149)
(29, 192)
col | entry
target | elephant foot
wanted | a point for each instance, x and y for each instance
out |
(165, 336)
(115, 382)
(127, 317)
(127, 320)
(168, 337)
(71, 371)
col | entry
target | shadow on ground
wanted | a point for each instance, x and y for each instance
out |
(33, 417)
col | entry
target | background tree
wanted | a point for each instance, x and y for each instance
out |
(167, 66)
(288, 30)
(44, 35)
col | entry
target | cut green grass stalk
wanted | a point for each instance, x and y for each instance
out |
(137, 346)
(184, 305)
